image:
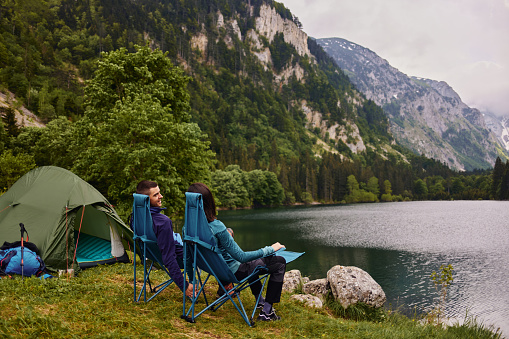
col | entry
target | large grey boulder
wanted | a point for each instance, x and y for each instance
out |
(351, 285)
(318, 287)
(292, 280)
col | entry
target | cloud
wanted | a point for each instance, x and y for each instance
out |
(484, 85)
(465, 43)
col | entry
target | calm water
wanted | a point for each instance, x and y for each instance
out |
(399, 245)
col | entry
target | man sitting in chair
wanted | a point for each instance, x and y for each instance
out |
(163, 229)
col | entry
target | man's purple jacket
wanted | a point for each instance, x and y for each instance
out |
(169, 247)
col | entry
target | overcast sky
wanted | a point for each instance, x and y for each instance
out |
(462, 42)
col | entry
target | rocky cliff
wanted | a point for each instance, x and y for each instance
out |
(24, 118)
(499, 126)
(269, 23)
(426, 116)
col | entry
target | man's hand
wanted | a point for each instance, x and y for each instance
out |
(189, 291)
(277, 246)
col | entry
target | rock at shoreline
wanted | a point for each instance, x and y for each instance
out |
(308, 300)
(351, 285)
(318, 287)
(292, 280)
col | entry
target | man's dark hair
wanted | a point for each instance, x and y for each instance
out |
(145, 186)
(209, 206)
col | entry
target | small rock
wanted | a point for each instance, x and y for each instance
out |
(318, 287)
(308, 300)
(292, 280)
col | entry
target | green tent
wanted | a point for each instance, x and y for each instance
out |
(71, 223)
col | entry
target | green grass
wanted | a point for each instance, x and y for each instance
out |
(99, 303)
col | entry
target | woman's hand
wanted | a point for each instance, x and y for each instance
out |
(277, 246)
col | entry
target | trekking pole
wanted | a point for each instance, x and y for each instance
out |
(23, 231)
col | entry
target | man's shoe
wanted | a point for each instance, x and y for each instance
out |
(272, 316)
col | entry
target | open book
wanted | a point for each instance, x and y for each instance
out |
(288, 255)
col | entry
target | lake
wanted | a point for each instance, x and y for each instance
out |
(399, 245)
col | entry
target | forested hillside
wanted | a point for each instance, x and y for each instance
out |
(280, 119)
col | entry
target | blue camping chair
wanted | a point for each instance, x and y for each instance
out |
(201, 246)
(145, 241)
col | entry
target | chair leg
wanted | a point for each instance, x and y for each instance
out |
(190, 314)
(134, 269)
(264, 278)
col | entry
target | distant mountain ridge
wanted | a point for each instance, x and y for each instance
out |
(426, 116)
(499, 126)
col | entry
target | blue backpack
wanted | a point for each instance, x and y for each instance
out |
(10, 259)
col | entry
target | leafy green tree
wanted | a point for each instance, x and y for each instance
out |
(352, 184)
(13, 167)
(387, 195)
(136, 127)
(265, 189)
(275, 194)
(357, 194)
(306, 197)
(231, 187)
(289, 198)
(420, 189)
(387, 187)
(436, 188)
(373, 186)
(258, 187)
(457, 186)
(51, 145)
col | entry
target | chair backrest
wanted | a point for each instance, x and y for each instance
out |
(143, 228)
(197, 230)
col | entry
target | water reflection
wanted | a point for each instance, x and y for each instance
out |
(399, 245)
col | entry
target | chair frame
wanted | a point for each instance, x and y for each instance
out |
(144, 239)
(198, 250)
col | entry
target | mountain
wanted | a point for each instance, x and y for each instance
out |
(426, 116)
(264, 94)
(255, 78)
(499, 126)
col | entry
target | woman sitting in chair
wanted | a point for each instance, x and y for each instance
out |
(244, 263)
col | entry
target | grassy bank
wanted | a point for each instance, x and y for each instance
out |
(99, 303)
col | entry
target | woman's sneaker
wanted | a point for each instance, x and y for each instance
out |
(272, 316)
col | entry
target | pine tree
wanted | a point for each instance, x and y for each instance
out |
(503, 187)
(9, 117)
(498, 173)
